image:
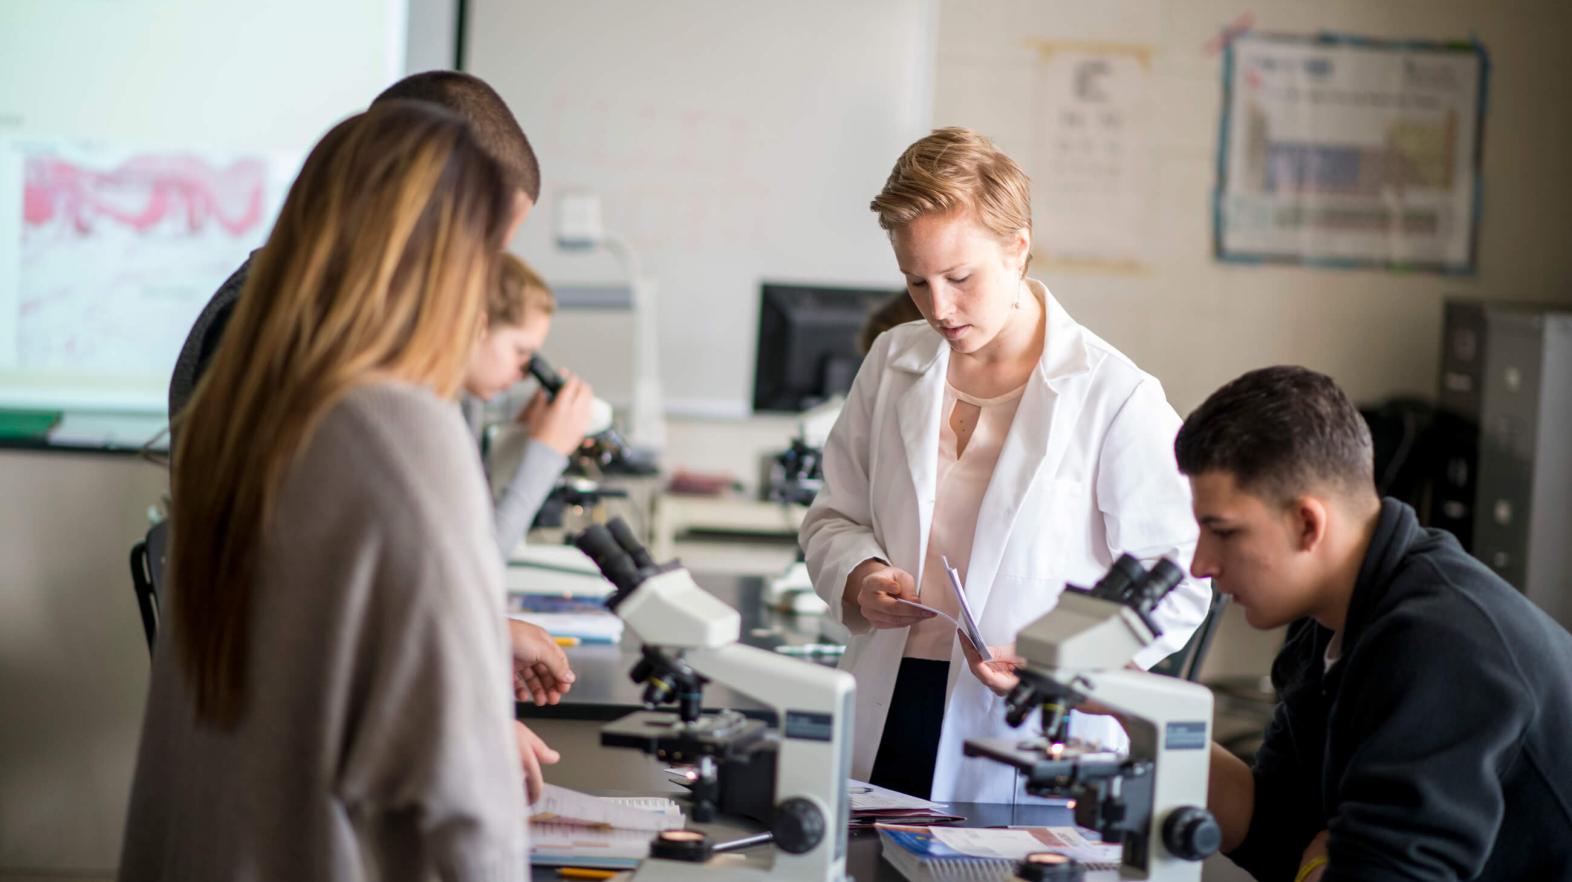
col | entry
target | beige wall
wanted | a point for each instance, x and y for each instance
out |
(73, 662)
(1196, 323)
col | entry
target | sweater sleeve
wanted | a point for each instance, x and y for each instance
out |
(430, 746)
(1433, 711)
(522, 498)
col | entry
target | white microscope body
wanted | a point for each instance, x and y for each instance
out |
(1153, 800)
(687, 631)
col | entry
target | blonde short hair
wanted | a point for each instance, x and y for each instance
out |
(957, 169)
(519, 291)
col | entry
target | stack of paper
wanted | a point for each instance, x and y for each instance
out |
(559, 589)
(588, 627)
(569, 828)
(872, 804)
(939, 854)
(565, 579)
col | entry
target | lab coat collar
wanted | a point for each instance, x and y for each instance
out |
(1025, 452)
(1065, 353)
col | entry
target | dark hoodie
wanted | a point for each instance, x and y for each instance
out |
(1438, 745)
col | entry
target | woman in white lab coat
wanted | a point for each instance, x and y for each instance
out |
(997, 434)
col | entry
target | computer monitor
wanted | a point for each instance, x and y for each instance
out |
(807, 348)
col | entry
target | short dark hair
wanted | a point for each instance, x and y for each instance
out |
(898, 310)
(490, 120)
(1279, 430)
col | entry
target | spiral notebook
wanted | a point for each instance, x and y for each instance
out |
(971, 854)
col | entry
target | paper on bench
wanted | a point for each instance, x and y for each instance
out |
(559, 805)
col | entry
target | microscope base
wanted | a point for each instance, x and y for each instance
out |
(720, 869)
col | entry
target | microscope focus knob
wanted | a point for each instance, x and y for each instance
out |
(1046, 866)
(690, 846)
(798, 827)
(1191, 833)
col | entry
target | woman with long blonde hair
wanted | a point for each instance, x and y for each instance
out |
(331, 693)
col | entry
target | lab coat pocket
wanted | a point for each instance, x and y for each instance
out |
(1016, 602)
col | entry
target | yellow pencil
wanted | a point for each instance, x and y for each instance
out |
(581, 873)
(567, 641)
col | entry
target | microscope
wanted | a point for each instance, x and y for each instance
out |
(603, 445)
(690, 638)
(1152, 800)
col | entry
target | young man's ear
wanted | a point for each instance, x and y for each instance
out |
(521, 208)
(1309, 516)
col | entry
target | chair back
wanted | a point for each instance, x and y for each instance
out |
(1186, 663)
(149, 558)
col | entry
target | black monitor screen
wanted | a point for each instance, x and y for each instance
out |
(808, 343)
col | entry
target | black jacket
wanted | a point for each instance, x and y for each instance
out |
(1439, 745)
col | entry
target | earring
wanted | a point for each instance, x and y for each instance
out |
(1017, 303)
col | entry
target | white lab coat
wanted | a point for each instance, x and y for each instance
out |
(1086, 472)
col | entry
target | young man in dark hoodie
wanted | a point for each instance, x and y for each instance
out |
(1425, 723)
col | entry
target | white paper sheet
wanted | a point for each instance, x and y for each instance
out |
(1015, 844)
(559, 805)
(967, 623)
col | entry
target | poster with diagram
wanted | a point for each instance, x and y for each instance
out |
(107, 254)
(1091, 161)
(1344, 151)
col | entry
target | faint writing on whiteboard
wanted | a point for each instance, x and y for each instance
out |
(686, 181)
(120, 249)
(1090, 159)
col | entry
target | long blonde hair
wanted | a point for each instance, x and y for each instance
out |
(378, 266)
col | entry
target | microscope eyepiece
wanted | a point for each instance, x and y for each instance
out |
(1116, 584)
(1165, 576)
(621, 532)
(545, 375)
(614, 563)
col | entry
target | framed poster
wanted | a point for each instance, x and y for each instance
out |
(1344, 151)
(1092, 160)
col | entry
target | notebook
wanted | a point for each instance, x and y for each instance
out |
(573, 829)
(560, 805)
(972, 854)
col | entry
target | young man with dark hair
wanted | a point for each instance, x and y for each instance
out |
(494, 127)
(1426, 705)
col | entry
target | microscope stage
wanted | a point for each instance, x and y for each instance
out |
(664, 735)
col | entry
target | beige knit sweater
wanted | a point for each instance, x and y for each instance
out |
(377, 739)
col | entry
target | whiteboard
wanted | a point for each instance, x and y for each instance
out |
(144, 151)
(729, 142)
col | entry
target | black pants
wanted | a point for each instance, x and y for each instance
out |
(910, 742)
